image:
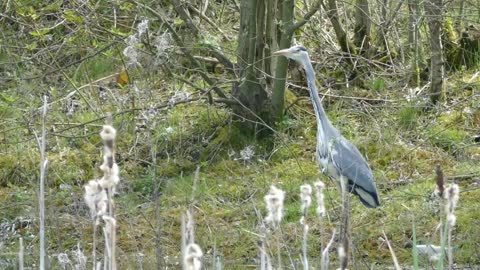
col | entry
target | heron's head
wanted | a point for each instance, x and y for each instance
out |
(297, 53)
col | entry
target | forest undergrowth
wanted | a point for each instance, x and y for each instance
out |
(167, 126)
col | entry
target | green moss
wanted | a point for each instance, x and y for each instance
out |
(446, 138)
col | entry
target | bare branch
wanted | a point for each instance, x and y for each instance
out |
(179, 7)
(202, 15)
(307, 16)
(179, 42)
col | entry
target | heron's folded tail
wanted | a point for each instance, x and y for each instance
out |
(369, 199)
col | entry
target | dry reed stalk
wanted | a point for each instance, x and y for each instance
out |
(344, 225)
(274, 202)
(20, 254)
(99, 198)
(452, 196)
(191, 253)
(325, 257)
(392, 252)
(306, 199)
(42, 142)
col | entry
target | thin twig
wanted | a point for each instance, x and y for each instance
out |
(307, 16)
(345, 97)
(202, 15)
(179, 42)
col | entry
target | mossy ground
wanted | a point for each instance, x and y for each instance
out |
(403, 144)
(158, 150)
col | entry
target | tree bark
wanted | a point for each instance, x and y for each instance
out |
(414, 40)
(271, 38)
(287, 29)
(433, 10)
(332, 14)
(250, 92)
(278, 94)
(362, 25)
(184, 15)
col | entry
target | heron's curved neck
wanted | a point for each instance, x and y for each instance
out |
(322, 120)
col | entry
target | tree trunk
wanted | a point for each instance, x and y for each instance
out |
(414, 40)
(332, 13)
(251, 94)
(278, 94)
(470, 47)
(433, 10)
(362, 25)
(265, 26)
(271, 38)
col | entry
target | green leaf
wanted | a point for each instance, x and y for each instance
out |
(55, 6)
(6, 99)
(119, 32)
(178, 22)
(72, 16)
(32, 46)
(39, 32)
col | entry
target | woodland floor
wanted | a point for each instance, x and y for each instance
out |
(402, 142)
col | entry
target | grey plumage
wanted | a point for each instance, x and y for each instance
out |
(336, 155)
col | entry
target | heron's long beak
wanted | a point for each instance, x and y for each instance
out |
(283, 52)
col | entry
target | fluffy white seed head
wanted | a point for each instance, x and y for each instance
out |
(142, 27)
(319, 186)
(247, 153)
(452, 196)
(108, 133)
(434, 258)
(110, 221)
(305, 197)
(63, 260)
(341, 253)
(193, 257)
(96, 198)
(274, 201)
(451, 219)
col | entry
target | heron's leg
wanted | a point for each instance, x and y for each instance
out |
(344, 224)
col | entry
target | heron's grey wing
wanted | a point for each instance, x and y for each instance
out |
(351, 164)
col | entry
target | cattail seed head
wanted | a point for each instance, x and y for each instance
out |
(440, 181)
(319, 186)
(305, 197)
(451, 219)
(452, 196)
(193, 257)
(63, 260)
(142, 27)
(108, 133)
(341, 253)
(274, 200)
(96, 198)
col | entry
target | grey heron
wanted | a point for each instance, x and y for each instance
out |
(337, 156)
